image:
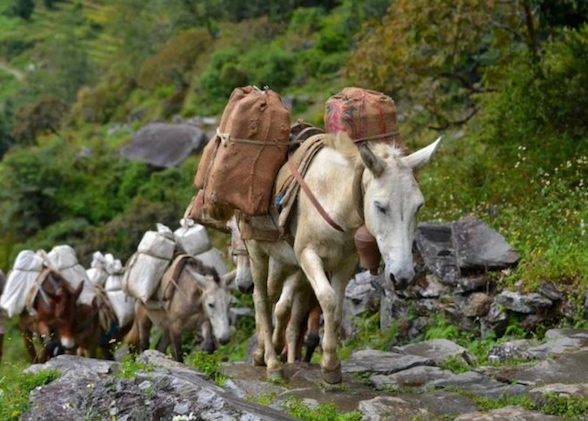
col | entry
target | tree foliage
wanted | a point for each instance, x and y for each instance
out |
(171, 65)
(434, 55)
(41, 117)
(22, 8)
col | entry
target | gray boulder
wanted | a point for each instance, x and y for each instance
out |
(165, 145)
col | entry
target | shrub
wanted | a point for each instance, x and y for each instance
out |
(271, 66)
(42, 116)
(172, 63)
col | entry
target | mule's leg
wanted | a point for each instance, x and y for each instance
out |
(144, 325)
(282, 311)
(27, 336)
(313, 327)
(175, 336)
(208, 344)
(313, 267)
(163, 342)
(265, 352)
(295, 330)
(46, 335)
(339, 281)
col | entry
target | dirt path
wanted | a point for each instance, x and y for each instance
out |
(14, 72)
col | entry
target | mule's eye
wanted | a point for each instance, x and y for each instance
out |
(382, 209)
(210, 305)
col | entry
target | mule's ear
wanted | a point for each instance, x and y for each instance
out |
(371, 161)
(203, 281)
(420, 158)
(228, 278)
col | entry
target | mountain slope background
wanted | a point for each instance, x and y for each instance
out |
(504, 83)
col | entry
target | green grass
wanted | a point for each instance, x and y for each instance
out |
(322, 412)
(207, 364)
(130, 365)
(16, 386)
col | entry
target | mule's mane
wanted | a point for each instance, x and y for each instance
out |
(342, 143)
(203, 269)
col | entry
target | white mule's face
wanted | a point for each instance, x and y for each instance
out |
(240, 256)
(391, 204)
(392, 199)
(217, 303)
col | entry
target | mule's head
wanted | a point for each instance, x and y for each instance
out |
(216, 302)
(65, 299)
(391, 201)
(243, 278)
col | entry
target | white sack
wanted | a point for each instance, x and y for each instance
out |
(20, 282)
(97, 276)
(214, 258)
(27, 267)
(97, 273)
(143, 275)
(28, 260)
(113, 266)
(64, 259)
(157, 245)
(191, 237)
(113, 282)
(123, 306)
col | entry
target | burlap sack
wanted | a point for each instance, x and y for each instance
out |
(363, 114)
(239, 165)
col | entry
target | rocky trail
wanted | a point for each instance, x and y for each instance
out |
(406, 384)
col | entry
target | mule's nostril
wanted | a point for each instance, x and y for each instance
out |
(246, 289)
(224, 340)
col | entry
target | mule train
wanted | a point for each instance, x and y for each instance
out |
(87, 318)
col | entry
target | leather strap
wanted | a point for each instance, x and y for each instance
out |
(311, 197)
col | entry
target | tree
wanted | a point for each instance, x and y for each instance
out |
(40, 117)
(6, 139)
(435, 55)
(22, 8)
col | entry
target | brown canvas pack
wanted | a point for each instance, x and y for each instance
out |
(363, 114)
(239, 164)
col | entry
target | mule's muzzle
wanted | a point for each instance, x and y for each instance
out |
(224, 340)
(401, 282)
(246, 289)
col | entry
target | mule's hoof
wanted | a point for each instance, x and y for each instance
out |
(276, 374)
(258, 359)
(332, 376)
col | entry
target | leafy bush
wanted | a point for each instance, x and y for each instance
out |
(21, 8)
(269, 65)
(172, 63)
(306, 20)
(40, 117)
(105, 101)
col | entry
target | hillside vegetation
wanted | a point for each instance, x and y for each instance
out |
(504, 82)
